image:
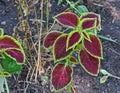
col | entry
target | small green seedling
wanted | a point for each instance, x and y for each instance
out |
(106, 75)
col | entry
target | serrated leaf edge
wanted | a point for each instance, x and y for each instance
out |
(63, 24)
(99, 18)
(101, 57)
(56, 60)
(67, 48)
(19, 63)
(64, 86)
(86, 19)
(86, 69)
(46, 37)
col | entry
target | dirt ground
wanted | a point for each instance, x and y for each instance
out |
(83, 83)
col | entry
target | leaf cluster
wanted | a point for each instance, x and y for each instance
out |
(12, 56)
(82, 40)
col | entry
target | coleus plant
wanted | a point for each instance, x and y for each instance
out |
(12, 56)
(82, 40)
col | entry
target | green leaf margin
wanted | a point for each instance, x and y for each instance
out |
(64, 86)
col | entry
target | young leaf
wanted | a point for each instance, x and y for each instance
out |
(86, 35)
(59, 49)
(16, 54)
(94, 46)
(89, 63)
(50, 38)
(92, 15)
(104, 72)
(82, 9)
(73, 59)
(73, 39)
(88, 23)
(10, 65)
(103, 79)
(67, 19)
(61, 76)
(8, 42)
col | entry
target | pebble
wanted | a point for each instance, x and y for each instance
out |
(57, 27)
(35, 37)
(3, 23)
(88, 85)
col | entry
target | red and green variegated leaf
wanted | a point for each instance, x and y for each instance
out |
(73, 60)
(86, 36)
(9, 42)
(50, 38)
(94, 47)
(89, 63)
(88, 23)
(67, 19)
(73, 39)
(16, 54)
(59, 49)
(92, 15)
(61, 76)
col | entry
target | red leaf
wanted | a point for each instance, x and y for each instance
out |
(73, 59)
(92, 15)
(16, 54)
(73, 39)
(93, 47)
(50, 39)
(61, 76)
(89, 63)
(68, 19)
(8, 42)
(88, 23)
(59, 49)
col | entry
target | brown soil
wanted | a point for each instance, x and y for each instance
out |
(83, 83)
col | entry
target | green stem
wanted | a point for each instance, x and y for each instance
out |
(6, 85)
(5, 81)
(106, 38)
(115, 76)
(71, 5)
(69, 87)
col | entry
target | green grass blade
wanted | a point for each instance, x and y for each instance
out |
(107, 38)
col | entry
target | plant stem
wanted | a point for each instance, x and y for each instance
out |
(69, 87)
(106, 38)
(47, 14)
(6, 85)
(115, 76)
(71, 5)
(39, 64)
(20, 9)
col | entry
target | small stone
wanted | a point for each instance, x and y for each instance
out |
(88, 85)
(35, 37)
(3, 23)
(57, 27)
